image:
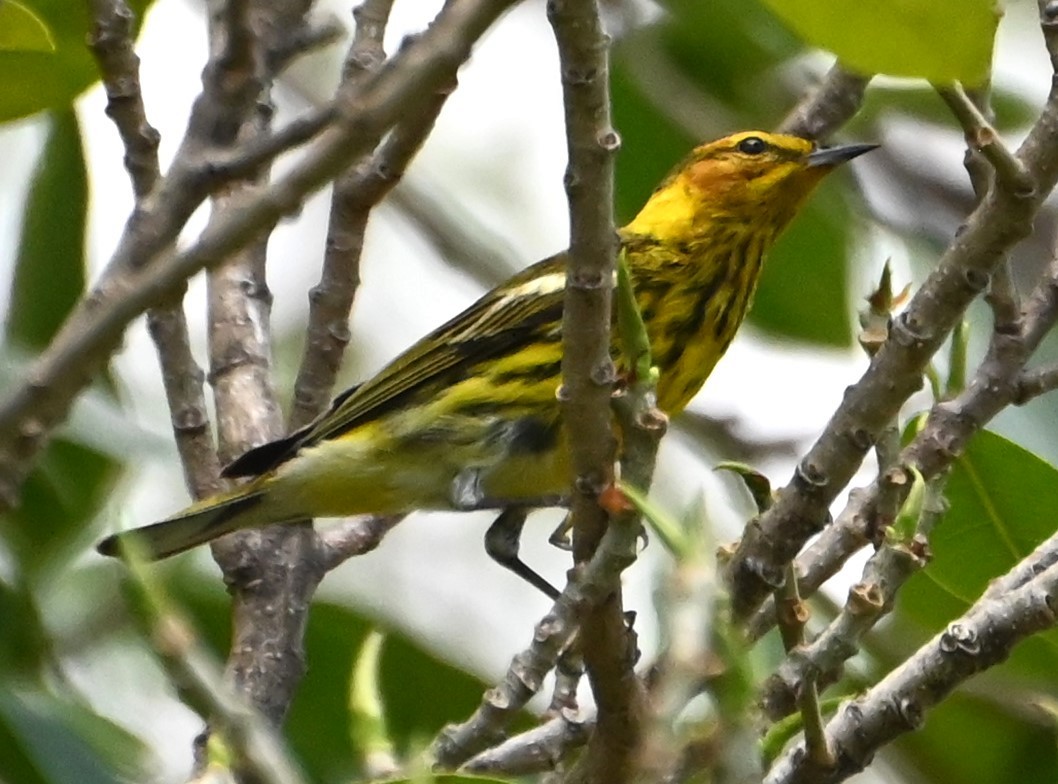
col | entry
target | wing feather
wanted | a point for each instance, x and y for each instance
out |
(502, 319)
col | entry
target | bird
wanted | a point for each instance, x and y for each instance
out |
(468, 418)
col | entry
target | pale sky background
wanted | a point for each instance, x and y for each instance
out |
(499, 152)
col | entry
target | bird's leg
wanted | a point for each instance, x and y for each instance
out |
(502, 541)
(560, 537)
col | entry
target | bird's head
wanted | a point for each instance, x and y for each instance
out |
(748, 177)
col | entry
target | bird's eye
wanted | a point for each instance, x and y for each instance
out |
(752, 145)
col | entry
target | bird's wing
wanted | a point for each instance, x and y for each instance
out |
(503, 318)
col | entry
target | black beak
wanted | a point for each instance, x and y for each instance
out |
(832, 156)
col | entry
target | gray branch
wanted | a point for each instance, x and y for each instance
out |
(146, 269)
(980, 639)
(1004, 217)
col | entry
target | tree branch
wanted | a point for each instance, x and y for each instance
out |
(1003, 217)
(949, 426)
(541, 748)
(356, 192)
(31, 409)
(331, 300)
(589, 585)
(1033, 383)
(111, 43)
(588, 375)
(256, 750)
(980, 639)
(356, 536)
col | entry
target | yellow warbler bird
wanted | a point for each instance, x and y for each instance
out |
(467, 418)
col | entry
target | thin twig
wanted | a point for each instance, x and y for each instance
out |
(331, 300)
(302, 40)
(252, 155)
(982, 137)
(356, 193)
(536, 750)
(1033, 383)
(356, 536)
(949, 426)
(828, 107)
(868, 600)
(111, 43)
(183, 380)
(569, 669)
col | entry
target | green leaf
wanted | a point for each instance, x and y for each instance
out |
(1002, 500)
(938, 40)
(674, 536)
(50, 271)
(758, 485)
(31, 81)
(71, 481)
(651, 144)
(731, 49)
(903, 528)
(1001, 506)
(21, 30)
(66, 489)
(786, 729)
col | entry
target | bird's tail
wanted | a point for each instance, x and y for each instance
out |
(198, 524)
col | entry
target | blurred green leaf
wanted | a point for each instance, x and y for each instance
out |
(651, 144)
(1001, 505)
(34, 80)
(921, 101)
(47, 739)
(26, 653)
(71, 481)
(21, 30)
(730, 47)
(66, 490)
(674, 535)
(367, 703)
(50, 271)
(938, 40)
(803, 291)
